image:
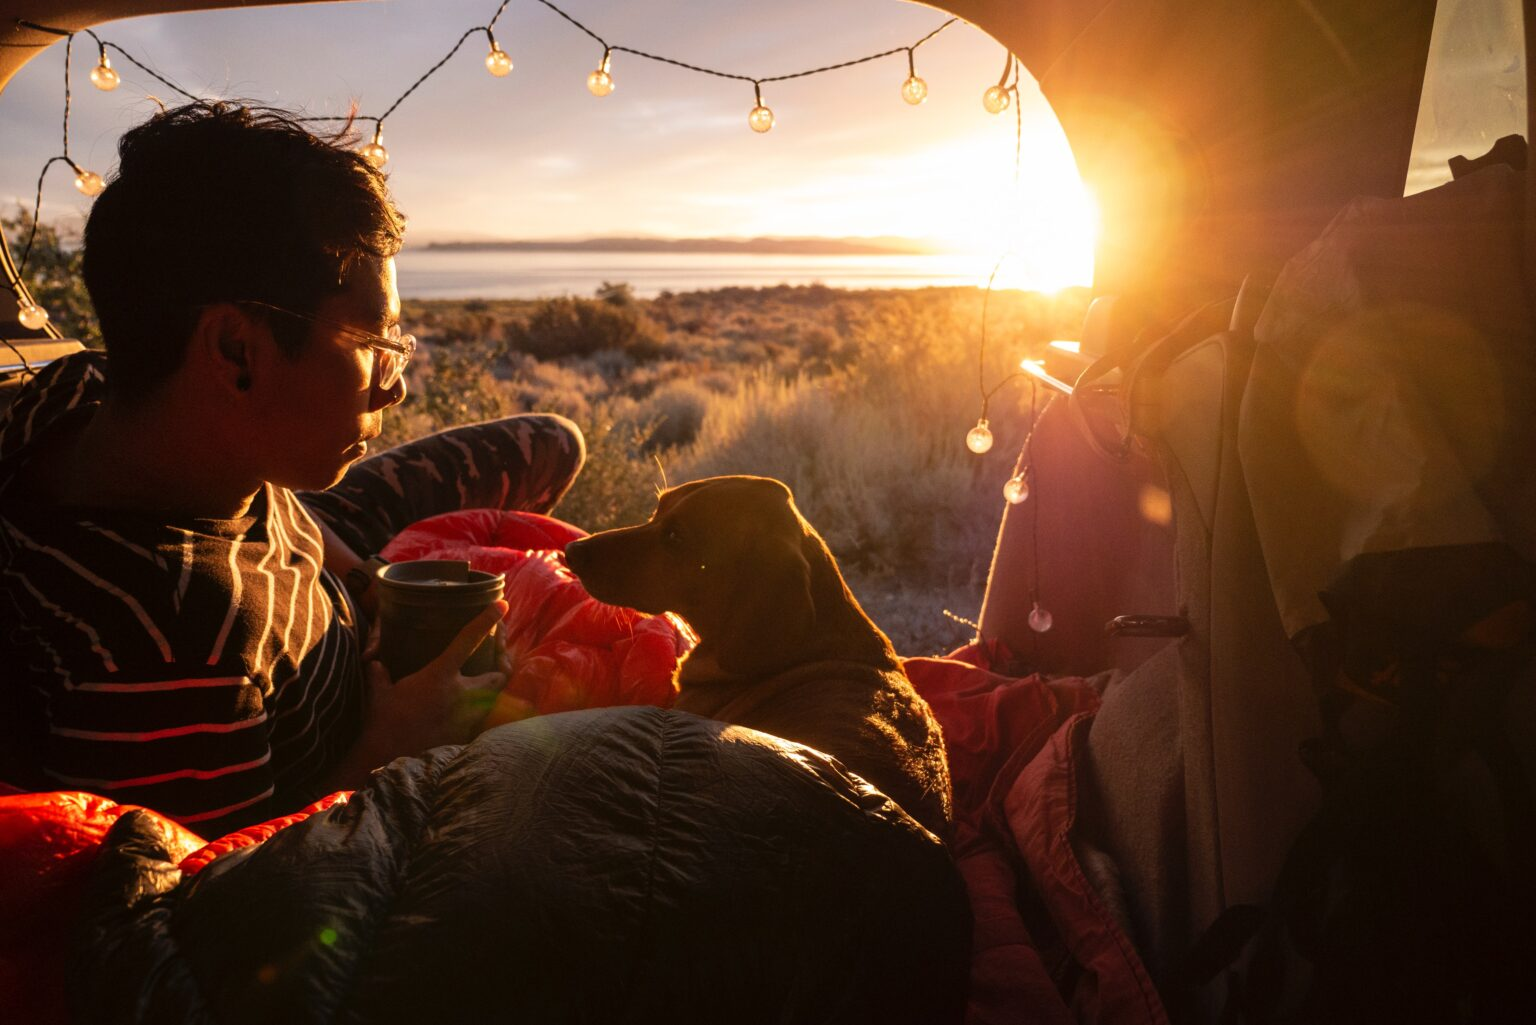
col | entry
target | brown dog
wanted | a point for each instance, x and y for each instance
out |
(783, 645)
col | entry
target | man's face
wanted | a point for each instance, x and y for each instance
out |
(321, 409)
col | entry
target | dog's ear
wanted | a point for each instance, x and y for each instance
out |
(772, 614)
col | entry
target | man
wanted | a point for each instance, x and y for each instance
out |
(174, 630)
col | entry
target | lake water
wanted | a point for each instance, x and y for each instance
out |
(504, 274)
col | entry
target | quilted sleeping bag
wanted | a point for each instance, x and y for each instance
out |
(616, 865)
(569, 650)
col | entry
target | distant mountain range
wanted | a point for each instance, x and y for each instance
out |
(883, 246)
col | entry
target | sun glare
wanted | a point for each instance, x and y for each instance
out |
(1039, 232)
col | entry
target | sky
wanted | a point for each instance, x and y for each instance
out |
(668, 153)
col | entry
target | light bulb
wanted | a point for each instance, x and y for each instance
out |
(995, 99)
(30, 315)
(104, 77)
(600, 83)
(374, 152)
(914, 90)
(979, 439)
(497, 62)
(1017, 489)
(89, 182)
(761, 118)
(1040, 618)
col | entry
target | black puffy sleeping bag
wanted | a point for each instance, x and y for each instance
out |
(615, 865)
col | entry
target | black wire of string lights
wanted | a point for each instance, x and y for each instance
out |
(914, 90)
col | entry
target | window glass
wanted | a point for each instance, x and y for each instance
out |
(1474, 87)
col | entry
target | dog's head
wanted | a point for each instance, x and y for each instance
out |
(731, 555)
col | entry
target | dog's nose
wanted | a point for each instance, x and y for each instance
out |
(577, 556)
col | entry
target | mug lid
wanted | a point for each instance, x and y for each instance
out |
(435, 575)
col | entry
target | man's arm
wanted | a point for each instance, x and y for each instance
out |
(352, 569)
(339, 558)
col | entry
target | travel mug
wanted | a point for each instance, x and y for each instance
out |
(422, 607)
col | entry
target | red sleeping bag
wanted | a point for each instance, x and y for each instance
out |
(1014, 757)
(569, 650)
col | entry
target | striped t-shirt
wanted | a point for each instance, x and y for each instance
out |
(208, 669)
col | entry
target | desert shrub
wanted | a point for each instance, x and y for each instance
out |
(648, 377)
(612, 365)
(619, 484)
(818, 343)
(616, 293)
(720, 380)
(472, 328)
(889, 491)
(457, 385)
(581, 327)
(677, 409)
(536, 386)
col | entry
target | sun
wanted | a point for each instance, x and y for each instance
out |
(1039, 231)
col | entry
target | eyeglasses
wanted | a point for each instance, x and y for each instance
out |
(392, 350)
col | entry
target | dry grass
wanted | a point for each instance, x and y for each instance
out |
(858, 400)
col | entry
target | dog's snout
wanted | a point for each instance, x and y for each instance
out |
(578, 556)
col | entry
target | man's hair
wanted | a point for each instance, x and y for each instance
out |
(218, 202)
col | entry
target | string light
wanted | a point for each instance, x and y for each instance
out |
(1016, 490)
(1040, 618)
(30, 315)
(374, 152)
(914, 90)
(497, 62)
(761, 118)
(979, 438)
(103, 76)
(997, 97)
(88, 182)
(600, 82)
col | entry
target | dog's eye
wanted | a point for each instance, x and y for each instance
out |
(673, 538)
